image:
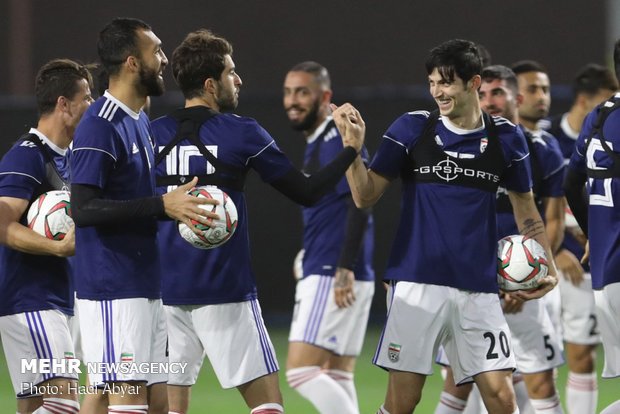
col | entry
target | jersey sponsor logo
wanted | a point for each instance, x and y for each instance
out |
(394, 352)
(449, 170)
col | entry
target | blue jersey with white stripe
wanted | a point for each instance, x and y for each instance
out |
(112, 150)
(604, 199)
(447, 234)
(551, 170)
(325, 223)
(31, 282)
(222, 274)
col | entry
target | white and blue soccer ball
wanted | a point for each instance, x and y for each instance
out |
(521, 263)
(50, 214)
(217, 232)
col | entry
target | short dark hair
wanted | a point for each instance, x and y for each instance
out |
(524, 66)
(200, 56)
(456, 56)
(501, 72)
(119, 40)
(592, 78)
(317, 70)
(56, 78)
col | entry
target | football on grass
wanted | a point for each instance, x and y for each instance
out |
(217, 232)
(50, 214)
(521, 263)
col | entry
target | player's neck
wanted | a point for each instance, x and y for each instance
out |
(53, 127)
(127, 94)
(468, 121)
(202, 101)
(529, 124)
(575, 118)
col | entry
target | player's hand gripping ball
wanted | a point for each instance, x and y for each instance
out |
(217, 232)
(50, 214)
(521, 263)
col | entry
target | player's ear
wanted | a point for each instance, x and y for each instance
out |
(210, 86)
(62, 103)
(475, 83)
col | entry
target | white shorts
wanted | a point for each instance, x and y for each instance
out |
(470, 325)
(33, 336)
(232, 335)
(579, 324)
(74, 328)
(608, 313)
(317, 320)
(535, 341)
(123, 340)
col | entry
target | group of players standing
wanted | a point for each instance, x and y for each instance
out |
(129, 179)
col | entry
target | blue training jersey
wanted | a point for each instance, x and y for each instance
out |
(447, 234)
(112, 150)
(31, 282)
(604, 199)
(551, 169)
(325, 223)
(192, 276)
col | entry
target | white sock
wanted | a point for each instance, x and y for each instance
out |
(269, 408)
(133, 409)
(449, 404)
(345, 380)
(549, 405)
(614, 408)
(581, 393)
(523, 399)
(382, 410)
(323, 392)
(58, 405)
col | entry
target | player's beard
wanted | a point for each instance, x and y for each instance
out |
(309, 121)
(150, 83)
(227, 101)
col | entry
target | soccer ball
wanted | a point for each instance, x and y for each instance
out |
(521, 263)
(218, 231)
(50, 214)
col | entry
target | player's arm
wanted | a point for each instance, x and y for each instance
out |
(554, 221)
(19, 237)
(530, 224)
(575, 196)
(366, 185)
(308, 190)
(344, 278)
(90, 209)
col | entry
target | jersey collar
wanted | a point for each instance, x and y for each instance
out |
(47, 142)
(317, 132)
(124, 107)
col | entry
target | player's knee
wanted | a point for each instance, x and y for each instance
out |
(500, 400)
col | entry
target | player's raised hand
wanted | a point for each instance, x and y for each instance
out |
(545, 285)
(343, 287)
(350, 124)
(181, 206)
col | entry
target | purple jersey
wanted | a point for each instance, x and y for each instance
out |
(325, 223)
(193, 276)
(112, 150)
(551, 178)
(604, 198)
(31, 282)
(447, 234)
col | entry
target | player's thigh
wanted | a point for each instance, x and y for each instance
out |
(236, 341)
(184, 345)
(479, 339)
(355, 324)
(535, 341)
(608, 314)
(579, 324)
(33, 336)
(414, 308)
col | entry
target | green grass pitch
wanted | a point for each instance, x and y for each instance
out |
(208, 397)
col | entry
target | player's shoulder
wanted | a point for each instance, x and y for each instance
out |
(408, 126)
(503, 125)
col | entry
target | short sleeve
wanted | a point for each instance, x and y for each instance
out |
(94, 152)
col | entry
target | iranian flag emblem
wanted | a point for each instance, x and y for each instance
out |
(126, 357)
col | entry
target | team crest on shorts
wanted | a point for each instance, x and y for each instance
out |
(394, 352)
(126, 357)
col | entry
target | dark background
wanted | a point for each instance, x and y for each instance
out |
(374, 50)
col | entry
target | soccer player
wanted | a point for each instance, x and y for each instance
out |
(535, 341)
(210, 296)
(117, 273)
(595, 159)
(36, 297)
(333, 297)
(451, 163)
(592, 85)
